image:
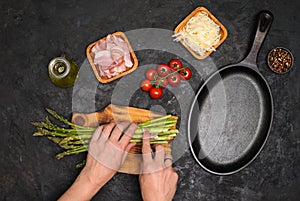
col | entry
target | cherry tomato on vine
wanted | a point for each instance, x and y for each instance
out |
(163, 70)
(174, 79)
(146, 85)
(151, 74)
(156, 93)
(185, 73)
(162, 82)
(175, 64)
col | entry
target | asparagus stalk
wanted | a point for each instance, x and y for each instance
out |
(76, 139)
(62, 119)
(166, 123)
(81, 164)
(154, 142)
(155, 120)
(71, 151)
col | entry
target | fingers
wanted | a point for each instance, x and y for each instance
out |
(107, 130)
(118, 131)
(127, 149)
(97, 133)
(146, 149)
(114, 133)
(128, 135)
(159, 154)
(129, 146)
(168, 163)
(168, 160)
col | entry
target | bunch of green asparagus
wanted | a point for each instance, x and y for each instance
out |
(74, 138)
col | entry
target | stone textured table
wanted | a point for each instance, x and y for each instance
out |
(32, 32)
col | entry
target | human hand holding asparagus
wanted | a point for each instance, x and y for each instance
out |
(158, 180)
(108, 148)
(75, 139)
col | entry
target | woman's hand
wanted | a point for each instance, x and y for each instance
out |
(108, 149)
(158, 181)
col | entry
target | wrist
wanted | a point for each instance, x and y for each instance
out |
(151, 197)
(88, 178)
(81, 190)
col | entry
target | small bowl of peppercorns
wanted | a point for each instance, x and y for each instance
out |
(280, 60)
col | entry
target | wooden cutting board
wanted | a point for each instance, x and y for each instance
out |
(113, 113)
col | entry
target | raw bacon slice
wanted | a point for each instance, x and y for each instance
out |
(103, 58)
(117, 54)
(100, 45)
(120, 68)
(127, 59)
(109, 42)
(121, 43)
(112, 56)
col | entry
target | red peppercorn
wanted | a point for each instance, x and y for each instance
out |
(280, 60)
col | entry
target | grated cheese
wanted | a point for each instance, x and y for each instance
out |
(200, 34)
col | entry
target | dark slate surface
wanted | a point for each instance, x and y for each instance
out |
(32, 32)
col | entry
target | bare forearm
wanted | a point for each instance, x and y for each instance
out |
(107, 149)
(82, 190)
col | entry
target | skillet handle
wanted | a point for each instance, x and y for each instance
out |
(264, 24)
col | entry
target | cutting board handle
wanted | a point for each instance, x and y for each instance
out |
(113, 113)
(93, 119)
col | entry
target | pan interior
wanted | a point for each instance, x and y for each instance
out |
(230, 120)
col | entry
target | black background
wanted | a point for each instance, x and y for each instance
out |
(32, 32)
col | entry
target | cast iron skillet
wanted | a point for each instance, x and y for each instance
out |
(231, 116)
